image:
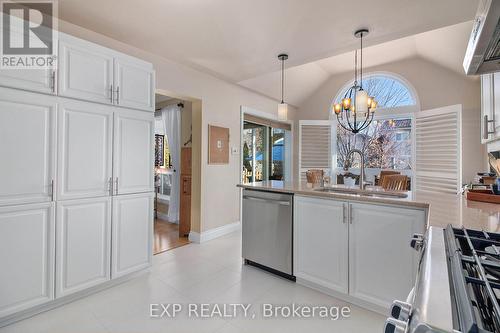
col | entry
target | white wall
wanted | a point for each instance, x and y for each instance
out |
(436, 86)
(220, 102)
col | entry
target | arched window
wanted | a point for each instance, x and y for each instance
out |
(389, 91)
(387, 142)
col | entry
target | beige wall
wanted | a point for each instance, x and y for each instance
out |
(220, 105)
(435, 86)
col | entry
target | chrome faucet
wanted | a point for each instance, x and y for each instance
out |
(362, 172)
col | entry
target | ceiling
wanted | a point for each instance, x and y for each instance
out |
(239, 40)
(445, 46)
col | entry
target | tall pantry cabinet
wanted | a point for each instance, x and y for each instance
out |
(76, 176)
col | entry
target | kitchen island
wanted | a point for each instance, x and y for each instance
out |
(357, 247)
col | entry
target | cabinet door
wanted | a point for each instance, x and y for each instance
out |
(26, 256)
(85, 143)
(83, 244)
(382, 265)
(487, 107)
(40, 80)
(27, 146)
(85, 70)
(496, 103)
(133, 154)
(321, 242)
(134, 81)
(132, 225)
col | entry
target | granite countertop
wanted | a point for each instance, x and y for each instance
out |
(443, 209)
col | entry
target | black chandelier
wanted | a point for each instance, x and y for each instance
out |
(355, 112)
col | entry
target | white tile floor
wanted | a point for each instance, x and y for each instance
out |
(208, 273)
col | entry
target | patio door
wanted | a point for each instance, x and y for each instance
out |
(266, 150)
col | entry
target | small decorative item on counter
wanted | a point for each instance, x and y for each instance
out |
(349, 182)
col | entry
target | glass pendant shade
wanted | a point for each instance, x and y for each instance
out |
(282, 111)
(361, 101)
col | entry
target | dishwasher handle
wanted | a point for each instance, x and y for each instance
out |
(279, 202)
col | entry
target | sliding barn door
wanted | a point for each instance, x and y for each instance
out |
(438, 150)
(315, 143)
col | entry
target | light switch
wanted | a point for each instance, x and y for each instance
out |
(234, 150)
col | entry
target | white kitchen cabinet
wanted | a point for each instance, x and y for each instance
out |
(382, 265)
(132, 225)
(134, 83)
(85, 143)
(27, 146)
(85, 70)
(26, 256)
(321, 242)
(39, 80)
(133, 155)
(83, 244)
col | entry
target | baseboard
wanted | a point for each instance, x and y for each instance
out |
(207, 235)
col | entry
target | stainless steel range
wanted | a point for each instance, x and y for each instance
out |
(457, 287)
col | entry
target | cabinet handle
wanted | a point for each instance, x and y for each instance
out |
(111, 93)
(53, 81)
(52, 190)
(350, 214)
(486, 129)
(343, 213)
(118, 95)
(116, 186)
(110, 186)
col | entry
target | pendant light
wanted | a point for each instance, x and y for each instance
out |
(282, 106)
(355, 112)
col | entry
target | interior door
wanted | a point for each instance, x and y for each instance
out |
(134, 81)
(132, 225)
(133, 153)
(85, 70)
(83, 244)
(377, 273)
(26, 256)
(85, 143)
(27, 146)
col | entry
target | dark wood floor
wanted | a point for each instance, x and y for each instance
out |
(166, 236)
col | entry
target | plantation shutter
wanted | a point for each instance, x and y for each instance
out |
(438, 150)
(315, 139)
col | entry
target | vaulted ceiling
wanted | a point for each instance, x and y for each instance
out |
(239, 40)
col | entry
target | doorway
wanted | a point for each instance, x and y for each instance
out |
(266, 150)
(173, 140)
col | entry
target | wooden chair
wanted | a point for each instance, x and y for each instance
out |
(395, 182)
(380, 178)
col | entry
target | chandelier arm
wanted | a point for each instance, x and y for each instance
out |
(342, 125)
(366, 120)
(368, 124)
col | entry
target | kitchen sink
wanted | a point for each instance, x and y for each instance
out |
(365, 193)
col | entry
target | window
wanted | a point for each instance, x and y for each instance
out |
(388, 142)
(389, 91)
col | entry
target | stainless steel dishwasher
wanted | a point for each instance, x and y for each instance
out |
(267, 229)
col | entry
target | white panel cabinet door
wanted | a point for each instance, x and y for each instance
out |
(132, 225)
(83, 244)
(27, 146)
(487, 108)
(496, 103)
(133, 154)
(85, 70)
(134, 81)
(321, 242)
(382, 265)
(85, 143)
(26, 256)
(39, 80)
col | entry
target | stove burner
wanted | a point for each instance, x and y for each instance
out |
(474, 260)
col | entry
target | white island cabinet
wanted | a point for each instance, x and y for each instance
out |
(356, 251)
(321, 242)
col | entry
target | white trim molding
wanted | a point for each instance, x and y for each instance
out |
(214, 233)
